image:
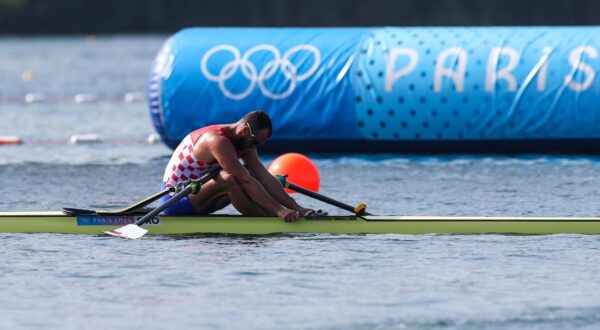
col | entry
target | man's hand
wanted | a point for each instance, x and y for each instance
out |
(288, 215)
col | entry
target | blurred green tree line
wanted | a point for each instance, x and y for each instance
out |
(167, 16)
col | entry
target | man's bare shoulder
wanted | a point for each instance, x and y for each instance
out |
(212, 137)
(211, 143)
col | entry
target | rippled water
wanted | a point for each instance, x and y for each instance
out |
(301, 282)
(285, 281)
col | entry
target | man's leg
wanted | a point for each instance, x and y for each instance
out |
(222, 190)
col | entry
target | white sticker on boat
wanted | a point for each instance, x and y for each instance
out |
(114, 220)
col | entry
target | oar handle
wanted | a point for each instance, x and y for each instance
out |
(360, 209)
(192, 187)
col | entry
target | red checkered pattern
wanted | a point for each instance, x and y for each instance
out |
(183, 166)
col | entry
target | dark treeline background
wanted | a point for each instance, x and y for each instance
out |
(143, 16)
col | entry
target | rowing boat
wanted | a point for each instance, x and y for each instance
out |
(70, 222)
(130, 220)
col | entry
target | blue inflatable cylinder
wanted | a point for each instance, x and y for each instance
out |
(384, 89)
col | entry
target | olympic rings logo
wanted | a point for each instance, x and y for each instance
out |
(280, 63)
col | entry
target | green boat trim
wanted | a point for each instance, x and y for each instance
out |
(62, 222)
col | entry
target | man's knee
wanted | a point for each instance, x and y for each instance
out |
(229, 181)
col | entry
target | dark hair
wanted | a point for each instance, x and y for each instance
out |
(259, 120)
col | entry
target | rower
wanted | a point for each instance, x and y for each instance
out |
(251, 189)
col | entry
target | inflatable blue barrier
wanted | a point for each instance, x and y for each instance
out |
(490, 89)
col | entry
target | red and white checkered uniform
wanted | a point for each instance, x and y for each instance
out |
(183, 166)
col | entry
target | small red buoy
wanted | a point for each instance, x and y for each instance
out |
(10, 140)
(299, 168)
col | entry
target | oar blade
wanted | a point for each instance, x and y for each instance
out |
(130, 231)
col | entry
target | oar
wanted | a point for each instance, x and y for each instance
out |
(359, 209)
(134, 230)
(138, 205)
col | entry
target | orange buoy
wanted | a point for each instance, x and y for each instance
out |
(299, 168)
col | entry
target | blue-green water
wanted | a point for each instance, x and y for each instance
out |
(289, 281)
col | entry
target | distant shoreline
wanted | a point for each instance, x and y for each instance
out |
(60, 17)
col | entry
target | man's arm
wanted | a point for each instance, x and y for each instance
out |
(271, 184)
(223, 151)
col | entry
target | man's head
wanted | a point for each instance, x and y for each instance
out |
(256, 128)
(259, 120)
